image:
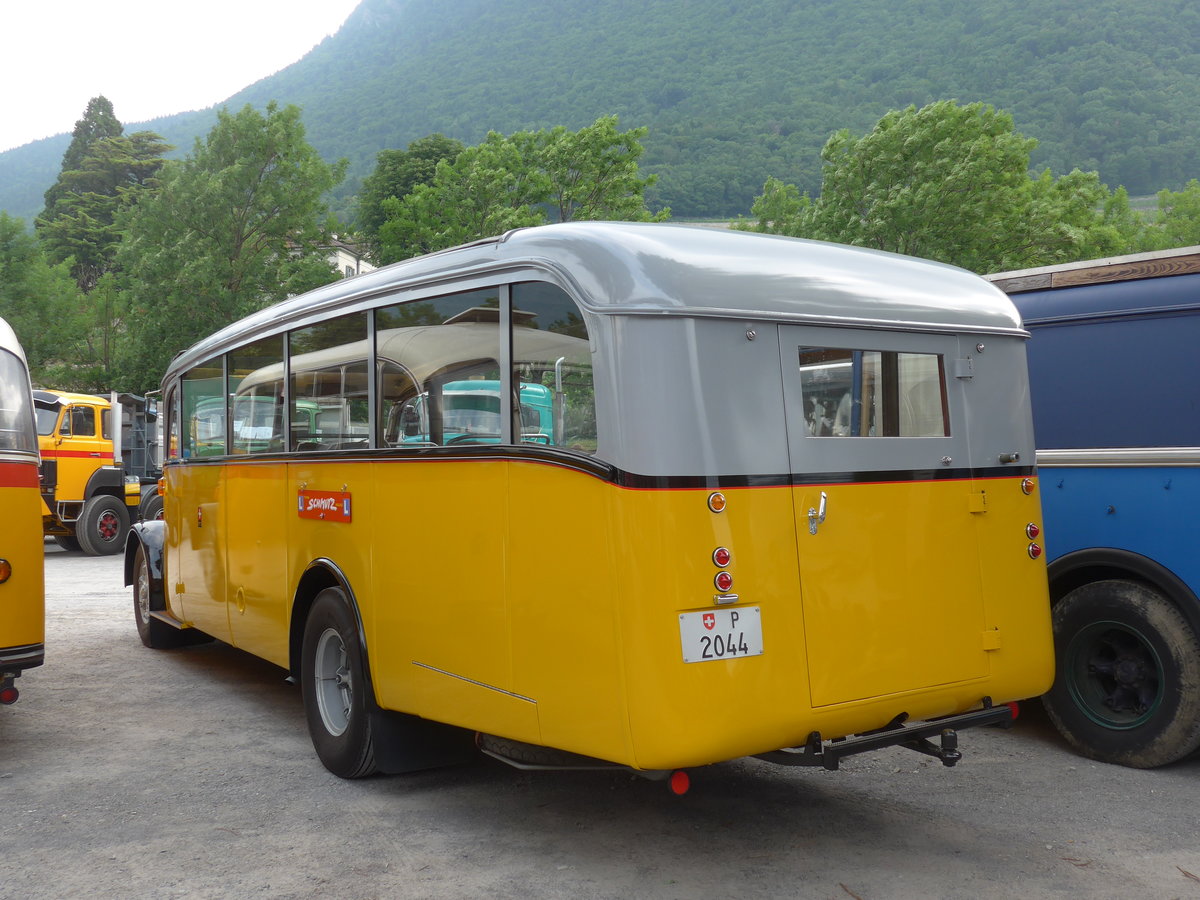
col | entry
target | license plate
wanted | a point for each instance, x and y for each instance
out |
(721, 634)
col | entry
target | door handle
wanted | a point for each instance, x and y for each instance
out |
(816, 514)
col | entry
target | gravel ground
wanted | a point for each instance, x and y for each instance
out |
(127, 772)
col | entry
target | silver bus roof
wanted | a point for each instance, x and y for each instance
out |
(627, 268)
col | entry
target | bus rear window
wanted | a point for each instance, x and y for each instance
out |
(873, 393)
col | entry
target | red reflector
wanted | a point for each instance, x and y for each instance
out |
(721, 557)
(10, 694)
(679, 782)
(1032, 531)
(723, 581)
(1016, 709)
(1034, 551)
(5, 570)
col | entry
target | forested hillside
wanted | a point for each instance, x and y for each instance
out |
(732, 91)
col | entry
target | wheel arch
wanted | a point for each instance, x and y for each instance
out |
(105, 480)
(1104, 563)
(321, 574)
(152, 536)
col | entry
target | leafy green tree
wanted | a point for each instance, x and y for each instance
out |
(396, 173)
(237, 225)
(512, 182)
(39, 301)
(81, 226)
(98, 122)
(594, 175)
(1178, 220)
(950, 183)
(486, 190)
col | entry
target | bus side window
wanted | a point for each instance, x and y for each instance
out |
(255, 374)
(552, 365)
(439, 371)
(203, 414)
(329, 384)
(873, 393)
(173, 436)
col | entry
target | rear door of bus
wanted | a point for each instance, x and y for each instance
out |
(884, 507)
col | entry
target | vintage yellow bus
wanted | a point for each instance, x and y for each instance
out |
(641, 495)
(22, 585)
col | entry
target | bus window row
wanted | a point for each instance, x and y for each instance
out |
(439, 380)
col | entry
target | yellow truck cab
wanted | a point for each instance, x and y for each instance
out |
(91, 490)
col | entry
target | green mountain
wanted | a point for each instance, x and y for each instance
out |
(732, 91)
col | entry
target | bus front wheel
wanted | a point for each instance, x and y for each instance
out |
(1127, 689)
(156, 634)
(334, 686)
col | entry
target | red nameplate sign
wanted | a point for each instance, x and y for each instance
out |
(332, 506)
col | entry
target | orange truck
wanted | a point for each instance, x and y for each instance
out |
(99, 469)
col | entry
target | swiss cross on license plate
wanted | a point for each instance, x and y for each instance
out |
(721, 634)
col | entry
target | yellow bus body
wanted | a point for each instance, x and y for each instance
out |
(22, 579)
(514, 637)
(22, 596)
(544, 592)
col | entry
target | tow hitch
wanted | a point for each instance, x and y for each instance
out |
(818, 752)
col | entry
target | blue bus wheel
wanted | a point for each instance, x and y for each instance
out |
(1127, 686)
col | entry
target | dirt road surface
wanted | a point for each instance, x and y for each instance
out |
(127, 772)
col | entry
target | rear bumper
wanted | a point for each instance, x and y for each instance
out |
(829, 754)
(24, 657)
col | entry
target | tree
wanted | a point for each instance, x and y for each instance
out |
(396, 174)
(98, 122)
(511, 182)
(81, 225)
(39, 300)
(237, 225)
(487, 189)
(1178, 220)
(950, 183)
(594, 174)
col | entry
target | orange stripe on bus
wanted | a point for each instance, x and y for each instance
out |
(18, 475)
(75, 454)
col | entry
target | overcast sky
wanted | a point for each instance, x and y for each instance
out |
(150, 58)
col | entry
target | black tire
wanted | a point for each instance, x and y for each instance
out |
(151, 507)
(333, 682)
(103, 526)
(154, 634)
(67, 542)
(1127, 687)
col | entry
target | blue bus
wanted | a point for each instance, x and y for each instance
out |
(1115, 383)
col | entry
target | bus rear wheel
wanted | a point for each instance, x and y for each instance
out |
(102, 526)
(333, 682)
(1127, 689)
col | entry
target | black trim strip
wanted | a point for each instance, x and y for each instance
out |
(538, 453)
(677, 482)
